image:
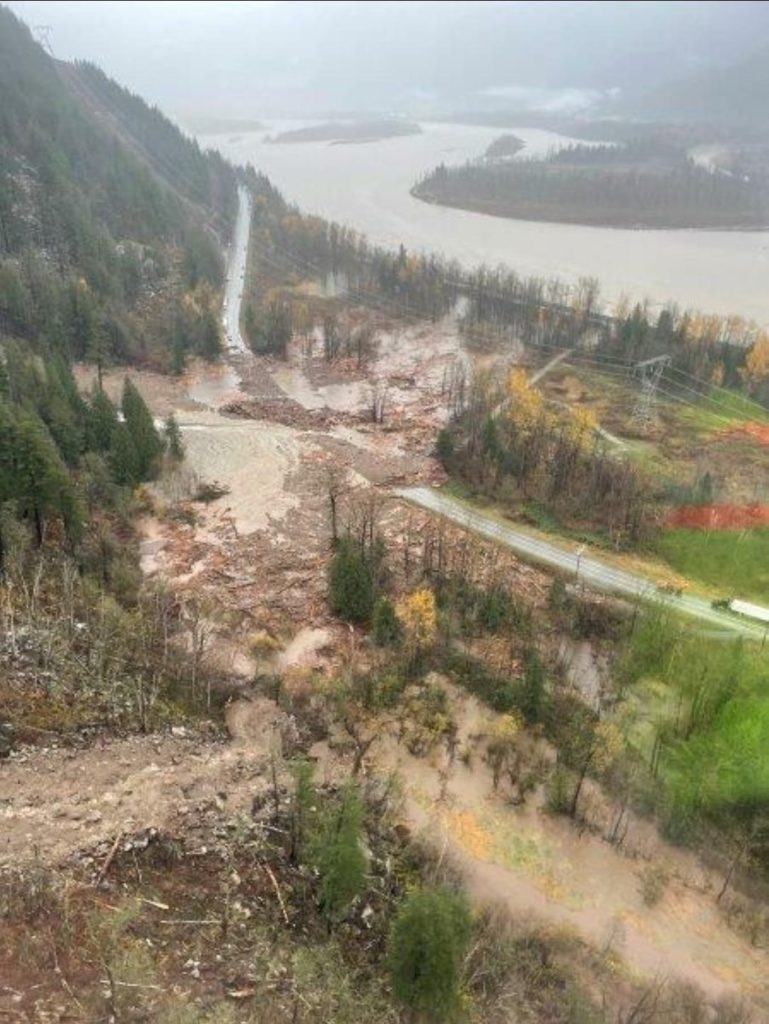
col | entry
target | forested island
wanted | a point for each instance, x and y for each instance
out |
(504, 148)
(349, 131)
(647, 183)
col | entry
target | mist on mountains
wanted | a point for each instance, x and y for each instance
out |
(302, 59)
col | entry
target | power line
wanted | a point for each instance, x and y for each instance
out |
(611, 367)
(42, 34)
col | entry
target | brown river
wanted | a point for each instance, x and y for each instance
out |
(366, 186)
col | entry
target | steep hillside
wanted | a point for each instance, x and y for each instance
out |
(111, 221)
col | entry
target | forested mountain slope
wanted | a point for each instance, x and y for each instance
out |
(111, 221)
(112, 228)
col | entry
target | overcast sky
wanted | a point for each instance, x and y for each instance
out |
(255, 58)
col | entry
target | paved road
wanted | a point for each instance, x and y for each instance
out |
(236, 270)
(594, 574)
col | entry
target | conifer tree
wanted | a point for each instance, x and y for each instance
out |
(178, 348)
(533, 690)
(173, 438)
(124, 457)
(303, 809)
(61, 414)
(101, 422)
(43, 486)
(427, 943)
(210, 343)
(138, 420)
(351, 582)
(7, 454)
(385, 624)
(339, 857)
(5, 382)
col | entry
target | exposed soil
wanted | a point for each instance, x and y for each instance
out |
(55, 801)
(163, 394)
(546, 868)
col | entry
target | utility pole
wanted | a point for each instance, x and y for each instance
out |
(650, 371)
(579, 553)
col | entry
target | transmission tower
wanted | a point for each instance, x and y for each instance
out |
(650, 371)
(42, 34)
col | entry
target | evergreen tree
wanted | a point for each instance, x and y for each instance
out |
(351, 582)
(178, 348)
(43, 486)
(271, 329)
(87, 341)
(339, 856)
(427, 944)
(210, 342)
(101, 422)
(386, 628)
(173, 438)
(141, 427)
(5, 382)
(62, 411)
(444, 445)
(124, 457)
(7, 454)
(533, 690)
(303, 810)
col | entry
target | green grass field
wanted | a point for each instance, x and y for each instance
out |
(704, 700)
(736, 562)
(720, 409)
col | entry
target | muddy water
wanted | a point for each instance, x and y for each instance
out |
(348, 396)
(214, 386)
(252, 458)
(367, 187)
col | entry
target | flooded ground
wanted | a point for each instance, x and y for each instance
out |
(346, 396)
(250, 458)
(367, 187)
(213, 385)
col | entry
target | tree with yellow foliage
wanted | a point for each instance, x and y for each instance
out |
(756, 369)
(525, 402)
(418, 616)
(582, 425)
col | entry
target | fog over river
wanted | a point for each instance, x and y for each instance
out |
(366, 186)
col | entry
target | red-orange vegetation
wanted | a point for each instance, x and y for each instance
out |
(718, 517)
(756, 431)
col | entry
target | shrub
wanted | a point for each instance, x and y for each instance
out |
(426, 947)
(654, 878)
(387, 630)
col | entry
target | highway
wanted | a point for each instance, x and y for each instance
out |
(236, 271)
(593, 573)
